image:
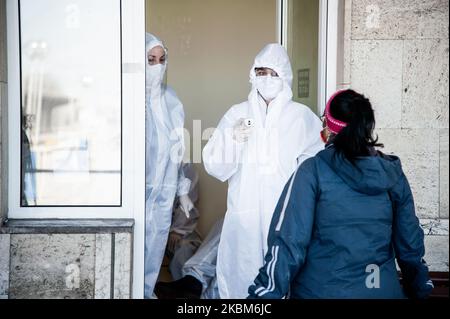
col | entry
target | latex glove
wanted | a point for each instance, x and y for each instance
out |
(241, 131)
(186, 205)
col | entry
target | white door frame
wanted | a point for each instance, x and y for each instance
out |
(132, 133)
(134, 61)
(133, 81)
(328, 44)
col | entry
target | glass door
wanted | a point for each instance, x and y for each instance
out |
(303, 47)
(76, 113)
(311, 31)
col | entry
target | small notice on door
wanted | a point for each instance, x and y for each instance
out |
(303, 83)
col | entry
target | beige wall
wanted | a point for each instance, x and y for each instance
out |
(303, 45)
(211, 45)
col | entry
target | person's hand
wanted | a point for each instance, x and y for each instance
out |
(241, 131)
(186, 205)
(173, 241)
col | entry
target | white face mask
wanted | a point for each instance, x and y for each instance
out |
(269, 87)
(155, 75)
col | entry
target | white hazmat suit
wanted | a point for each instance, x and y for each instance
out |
(257, 164)
(164, 153)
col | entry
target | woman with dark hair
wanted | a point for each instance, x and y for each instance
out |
(344, 218)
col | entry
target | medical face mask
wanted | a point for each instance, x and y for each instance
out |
(269, 87)
(155, 75)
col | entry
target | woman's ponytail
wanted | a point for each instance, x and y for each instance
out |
(356, 139)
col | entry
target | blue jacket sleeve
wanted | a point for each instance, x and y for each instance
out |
(408, 240)
(289, 235)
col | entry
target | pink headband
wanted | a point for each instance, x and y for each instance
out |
(335, 126)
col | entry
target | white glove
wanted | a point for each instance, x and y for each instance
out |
(186, 205)
(242, 131)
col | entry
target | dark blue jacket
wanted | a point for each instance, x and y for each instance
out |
(337, 231)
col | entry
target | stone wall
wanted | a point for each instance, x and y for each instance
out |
(65, 266)
(397, 54)
(4, 265)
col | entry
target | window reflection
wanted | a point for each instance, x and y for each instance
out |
(303, 48)
(71, 102)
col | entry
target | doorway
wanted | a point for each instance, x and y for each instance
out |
(302, 43)
(211, 47)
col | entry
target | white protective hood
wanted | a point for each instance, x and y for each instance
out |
(274, 57)
(152, 41)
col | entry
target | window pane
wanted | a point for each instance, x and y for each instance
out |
(303, 48)
(71, 102)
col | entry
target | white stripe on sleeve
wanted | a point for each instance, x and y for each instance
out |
(271, 272)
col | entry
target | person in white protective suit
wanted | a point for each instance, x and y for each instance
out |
(164, 153)
(256, 148)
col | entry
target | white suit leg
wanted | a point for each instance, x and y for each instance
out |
(202, 265)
